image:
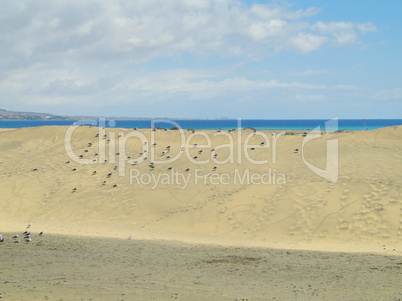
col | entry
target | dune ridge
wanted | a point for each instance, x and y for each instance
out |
(294, 207)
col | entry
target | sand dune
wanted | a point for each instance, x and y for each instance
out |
(362, 211)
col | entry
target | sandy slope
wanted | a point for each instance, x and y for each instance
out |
(362, 211)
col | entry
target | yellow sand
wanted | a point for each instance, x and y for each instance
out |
(361, 212)
(204, 241)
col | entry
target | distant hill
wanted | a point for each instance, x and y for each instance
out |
(11, 115)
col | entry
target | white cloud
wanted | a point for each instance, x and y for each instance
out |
(389, 94)
(139, 30)
(312, 72)
(90, 51)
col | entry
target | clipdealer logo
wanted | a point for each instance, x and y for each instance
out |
(237, 152)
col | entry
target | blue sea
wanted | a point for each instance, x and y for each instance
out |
(259, 124)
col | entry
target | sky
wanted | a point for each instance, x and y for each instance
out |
(300, 59)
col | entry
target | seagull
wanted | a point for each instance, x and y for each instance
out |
(29, 225)
(15, 236)
(17, 242)
(27, 232)
(130, 236)
(41, 233)
(28, 240)
(1, 239)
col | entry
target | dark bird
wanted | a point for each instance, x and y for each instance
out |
(41, 233)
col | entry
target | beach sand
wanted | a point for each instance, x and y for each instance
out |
(285, 238)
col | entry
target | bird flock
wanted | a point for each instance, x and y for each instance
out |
(165, 152)
(26, 235)
(142, 155)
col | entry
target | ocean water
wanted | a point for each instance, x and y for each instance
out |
(259, 124)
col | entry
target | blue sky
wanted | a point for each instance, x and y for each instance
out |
(203, 58)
